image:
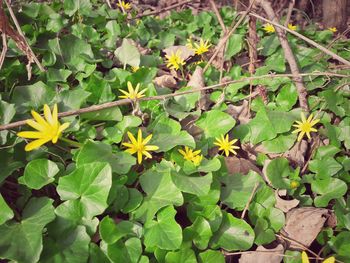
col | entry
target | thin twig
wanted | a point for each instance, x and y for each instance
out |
(250, 199)
(164, 9)
(4, 49)
(224, 39)
(109, 3)
(306, 39)
(167, 96)
(289, 13)
(288, 54)
(217, 13)
(22, 35)
(121, 7)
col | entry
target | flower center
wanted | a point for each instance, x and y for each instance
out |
(306, 127)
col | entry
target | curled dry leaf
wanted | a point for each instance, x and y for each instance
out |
(239, 165)
(274, 255)
(303, 225)
(240, 113)
(165, 81)
(185, 52)
(297, 153)
(197, 82)
(187, 124)
(284, 205)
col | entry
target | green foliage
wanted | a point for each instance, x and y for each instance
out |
(85, 199)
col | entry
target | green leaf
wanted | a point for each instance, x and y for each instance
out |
(92, 151)
(135, 199)
(328, 189)
(115, 134)
(263, 234)
(101, 92)
(234, 45)
(36, 215)
(238, 188)
(206, 166)
(287, 97)
(161, 192)
(341, 245)
(325, 167)
(112, 114)
(277, 171)
(185, 255)
(72, 6)
(127, 53)
(5, 211)
(164, 232)
(280, 144)
(111, 232)
(96, 254)
(130, 251)
(215, 123)
(38, 173)
(211, 256)
(66, 245)
(194, 185)
(234, 234)
(58, 75)
(90, 184)
(202, 232)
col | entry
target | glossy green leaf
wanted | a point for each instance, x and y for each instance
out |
(328, 189)
(127, 53)
(185, 255)
(5, 211)
(199, 185)
(211, 256)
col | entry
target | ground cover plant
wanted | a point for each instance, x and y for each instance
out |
(198, 136)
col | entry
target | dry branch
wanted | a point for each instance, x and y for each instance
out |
(164, 9)
(167, 96)
(288, 53)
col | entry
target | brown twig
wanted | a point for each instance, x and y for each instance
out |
(4, 49)
(217, 13)
(306, 39)
(249, 200)
(22, 35)
(167, 96)
(288, 54)
(224, 39)
(289, 13)
(164, 9)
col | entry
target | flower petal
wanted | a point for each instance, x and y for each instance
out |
(35, 144)
(151, 147)
(31, 135)
(304, 257)
(139, 136)
(139, 157)
(35, 125)
(39, 119)
(147, 154)
(301, 135)
(147, 139)
(48, 115)
(132, 138)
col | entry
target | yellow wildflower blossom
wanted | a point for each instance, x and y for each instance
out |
(190, 155)
(174, 61)
(134, 68)
(269, 28)
(139, 146)
(48, 129)
(333, 29)
(305, 258)
(226, 145)
(133, 93)
(294, 184)
(305, 126)
(202, 48)
(291, 27)
(124, 5)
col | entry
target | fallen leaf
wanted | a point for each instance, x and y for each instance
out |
(239, 165)
(284, 205)
(303, 225)
(167, 81)
(240, 113)
(188, 125)
(296, 155)
(275, 255)
(185, 52)
(197, 82)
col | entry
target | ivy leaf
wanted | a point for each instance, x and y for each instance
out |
(280, 144)
(215, 123)
(89, 183)
(36, 215)
(263, 234)
(238, 188)
(328, 189)
(165, 232)
(38, 173)
(277, 171)
(325, 167)
(5, 211)
(199, 185)
(211, 256)
(185, 255)
(127, 53)
(287, 97)
(234, 46)
(234, 234)
(92, 151)
(202, 232)
(129, 251)
(161, 192)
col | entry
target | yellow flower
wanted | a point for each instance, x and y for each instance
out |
(333, 29)
(139, 146)
(305, 258)
(134, 68)
(125, 6)
(269, 28)
(202, 48)
(189, 43)
(226, 145)
(174, 61)
(305, 126)
(294, 184)
(190, 155)
(291, 27)
(133, 93)
(48, 129)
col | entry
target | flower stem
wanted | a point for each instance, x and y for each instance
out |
(71, 142)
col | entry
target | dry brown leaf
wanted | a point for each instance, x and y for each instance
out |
(297, 153)
(167, 81)
(240, 113)
(185, 52)
(188, 125)
(239, 165)
(284, 205)
(303, 225)
(274, 255)
(197, 82)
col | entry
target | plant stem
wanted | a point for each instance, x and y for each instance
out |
(71, 142)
